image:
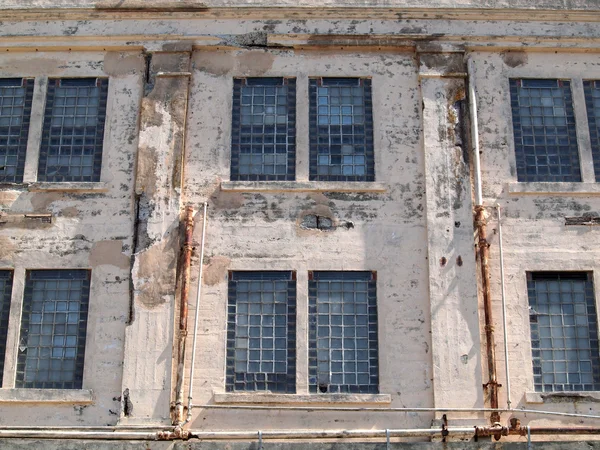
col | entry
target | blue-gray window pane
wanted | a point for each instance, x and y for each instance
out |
(544, 129)
(341, 130)
(53, 329)
(263, 138)
(16, 95)
(72, 138)
(261, 332)
(343, 343)
(592, 102)
(6, 278)
(564, 332)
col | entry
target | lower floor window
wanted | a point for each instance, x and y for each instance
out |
(343, 332)
(261, 332)
(564, 331)
(6, 279)
(53, 329)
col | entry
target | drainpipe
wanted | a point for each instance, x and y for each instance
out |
(183, 312)
(483, 250)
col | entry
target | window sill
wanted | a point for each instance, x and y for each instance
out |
(554, 188)
(90, 187)
(290, 399)
(562, 397)
(68, 396)
(302, 186)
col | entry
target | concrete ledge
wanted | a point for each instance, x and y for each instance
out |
(290, 399)
(302, 186)
(72, 396)
(554, 188)
(70, 186)
(562, 397)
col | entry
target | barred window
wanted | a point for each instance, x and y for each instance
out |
(16, 95)
(6, 279)
(564, 331)
(261, 332)
(73, 133)
(263, 138)
(544, 129)
(343, 343)
(341, 130)
(53, 329)
(592, 102)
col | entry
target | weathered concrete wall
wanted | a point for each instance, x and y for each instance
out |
(91, 227)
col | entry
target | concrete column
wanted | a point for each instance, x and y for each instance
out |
(149, 337)
(456, 343)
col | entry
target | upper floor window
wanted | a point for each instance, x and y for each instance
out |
(16, 95)
(592, 102)
(263, 137)
(343, 342)
(341, 130)
(564, 331)
(544, 129)
(261, 332)
(53, 329)
(6, 278)
(73, 132)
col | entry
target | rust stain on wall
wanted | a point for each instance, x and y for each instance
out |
(109, 252)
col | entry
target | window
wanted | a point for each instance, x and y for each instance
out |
(564, 334)
(592, 102)
(73, 133)
(544, 128)
(343, 332)
(263, 138)
(6, 277)
(16, 95)
(341, 130)
(53, 329)
(261, 332)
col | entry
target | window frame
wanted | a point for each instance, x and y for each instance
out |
(5, 305)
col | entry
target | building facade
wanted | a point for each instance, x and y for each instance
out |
(348, 225)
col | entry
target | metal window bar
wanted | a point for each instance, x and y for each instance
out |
(564, 332)
(263, 138)
(261, 332)
(53, 329)
(544, 130)
(6, 281)
(341, 130)
(16, 95)
(592, 102)
(73, 132)
(343, 342)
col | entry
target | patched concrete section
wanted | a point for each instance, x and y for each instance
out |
(147, 371)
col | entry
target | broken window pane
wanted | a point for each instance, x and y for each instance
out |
(53, 329)
(564, 333)
(343, 343)
(73, 135)
(261, 332)
(16, 95)
(341, 130)
(263, 138)
(544, 129)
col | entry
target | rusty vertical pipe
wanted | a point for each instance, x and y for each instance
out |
(186, 258)
(483, 249)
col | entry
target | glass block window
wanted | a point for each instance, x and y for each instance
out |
(544, 129)
(6, 278)
(53, 329)
(261, 332)
(73, 133)
(263, 137)
(564, 332)
(343, 332)
(341, 130)
(16, 95)
(592, 102)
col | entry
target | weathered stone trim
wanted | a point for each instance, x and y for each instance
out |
(70, 186)
(76, 396)
(554, 188)
(561, 397)
(301, 186)
(312, 399)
